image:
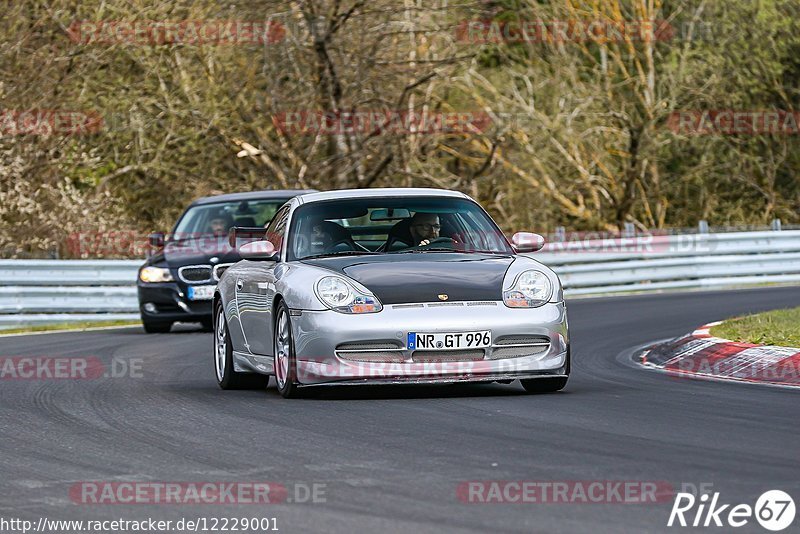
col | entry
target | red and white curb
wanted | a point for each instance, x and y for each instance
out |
(701, 355)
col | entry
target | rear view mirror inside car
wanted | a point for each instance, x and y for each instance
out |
(389, 214)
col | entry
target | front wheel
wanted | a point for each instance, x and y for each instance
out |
(283, 348)
(549, 384)
(227, 376)
(544, 385)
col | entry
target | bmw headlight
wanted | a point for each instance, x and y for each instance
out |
(155, 274)
(341, 296)
(529, 290)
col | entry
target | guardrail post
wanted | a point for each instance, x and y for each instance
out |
(630, 230)
(776, 225)
(561, 234)
(702, 227)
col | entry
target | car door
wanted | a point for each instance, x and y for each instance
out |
(255, 291)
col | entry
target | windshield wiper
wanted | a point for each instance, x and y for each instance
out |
(341, 253)
(419, 251)
(194, 237)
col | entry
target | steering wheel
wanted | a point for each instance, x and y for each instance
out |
(438, 240)
(353, 246)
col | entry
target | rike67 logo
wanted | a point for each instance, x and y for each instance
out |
(774, 510)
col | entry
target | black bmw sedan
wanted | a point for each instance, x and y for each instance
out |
(177, 282)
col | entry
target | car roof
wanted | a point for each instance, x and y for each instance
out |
(280, 194)
(379, 192)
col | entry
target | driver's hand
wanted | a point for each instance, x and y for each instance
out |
(424, 242)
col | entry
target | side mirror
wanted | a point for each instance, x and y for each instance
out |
(258, 250)
(155, 243)
(156, 239)
(245, 232)
(527, 242)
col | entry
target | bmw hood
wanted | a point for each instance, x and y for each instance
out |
(423, 277)
(195, 252)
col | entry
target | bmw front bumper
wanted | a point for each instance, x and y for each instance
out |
(168, 303)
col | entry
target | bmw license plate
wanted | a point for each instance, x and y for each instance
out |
(480, 339)
(201, 292)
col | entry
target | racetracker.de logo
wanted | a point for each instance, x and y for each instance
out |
(564, 491)
(195, 493)
(185, 32)
(47, 122)
(734, 122)
(563, 31)
(379, 122)
(132, 243)
(609, 243)
(68, 368)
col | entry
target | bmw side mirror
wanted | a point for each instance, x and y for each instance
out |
(259, 250)
(156, 239)
(156, 242)
(527, 242)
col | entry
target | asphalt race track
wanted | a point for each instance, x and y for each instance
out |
(391, 459)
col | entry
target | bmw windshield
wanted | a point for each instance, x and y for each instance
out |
(217, 218)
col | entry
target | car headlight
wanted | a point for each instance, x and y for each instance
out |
(155, 274)
(530, 289)
(339, 295)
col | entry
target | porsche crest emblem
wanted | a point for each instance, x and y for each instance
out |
(443, 297)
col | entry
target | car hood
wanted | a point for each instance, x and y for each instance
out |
(414, 278)
(195, 252)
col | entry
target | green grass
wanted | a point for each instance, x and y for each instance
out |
(67, 326)
(779, 327)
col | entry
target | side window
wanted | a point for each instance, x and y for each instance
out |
(277, 228)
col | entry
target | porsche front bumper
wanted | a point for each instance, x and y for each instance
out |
(340, 349)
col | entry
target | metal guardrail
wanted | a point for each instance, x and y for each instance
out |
(54, 291)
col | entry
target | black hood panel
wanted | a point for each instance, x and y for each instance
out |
(195, 252)
(413, 278)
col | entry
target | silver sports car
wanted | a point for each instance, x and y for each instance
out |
(388, 286)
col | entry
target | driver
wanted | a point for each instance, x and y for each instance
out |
(424, 228)
(219, 224)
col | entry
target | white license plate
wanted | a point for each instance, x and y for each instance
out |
(201, 292)
(479, 339)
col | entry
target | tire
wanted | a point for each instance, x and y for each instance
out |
(544, 385)
(283, 350)
(548, 385)
(152, 327)
(227, 377)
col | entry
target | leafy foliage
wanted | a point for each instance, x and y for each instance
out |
(579, 133)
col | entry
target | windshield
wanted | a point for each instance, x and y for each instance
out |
(393, 226)
(216, 219)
